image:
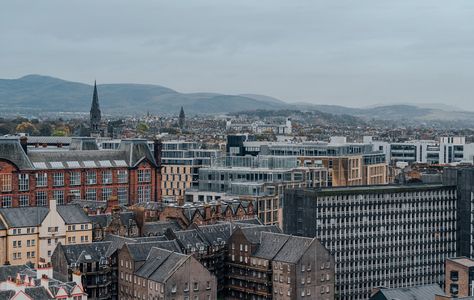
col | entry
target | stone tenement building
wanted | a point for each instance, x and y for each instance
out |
(265, 264)
(30, 177)
(391, 236)
(30, 234)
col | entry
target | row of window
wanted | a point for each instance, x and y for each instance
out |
(19, 244)
(144, 176)
(29, 254)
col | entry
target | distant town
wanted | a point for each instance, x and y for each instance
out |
(264, 204)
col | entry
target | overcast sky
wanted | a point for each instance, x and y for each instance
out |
(353, 53)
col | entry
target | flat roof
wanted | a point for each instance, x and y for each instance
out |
(391, 188)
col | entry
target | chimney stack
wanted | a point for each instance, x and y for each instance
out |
(24, 143)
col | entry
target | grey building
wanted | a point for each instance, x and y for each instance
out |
(391, 236)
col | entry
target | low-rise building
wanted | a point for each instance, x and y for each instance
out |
(32, 233)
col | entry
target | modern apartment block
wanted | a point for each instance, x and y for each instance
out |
(30, 177)
(181, 162)
(390, 236)
(260, 179)
(347, 163)
(444, 151)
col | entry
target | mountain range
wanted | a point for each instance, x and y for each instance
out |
(38, 93)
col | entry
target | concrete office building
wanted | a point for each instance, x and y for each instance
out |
(391, 236)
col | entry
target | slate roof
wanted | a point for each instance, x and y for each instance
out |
(293, 249)
(94, 252)
(11, 150)
(136, 150)
(191, 238)
(7, 295)
(422, 292)
(139, 251)
(252, 233)
(38, 292)
(83, 143)
(73, 214)
(161, 264)
(159, 227)
(216, 234)
(101, 220)
(271, 243)
(80, 156)
(12, 271)
(126, 216)
(24, 216)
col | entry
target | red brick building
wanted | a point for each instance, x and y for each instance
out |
(30, 177)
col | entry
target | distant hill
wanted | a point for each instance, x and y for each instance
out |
(37, 93)
(48, 94)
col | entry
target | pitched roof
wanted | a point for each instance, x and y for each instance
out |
(38, 292)
(101, 220)
(162, 264)
(216, 234)
(421, 292)
(139, 251)
(73, 214)
(92, 252)
(11, 150)
(24, 216)
(293, 249)
(10, 271)
(159, 227)
(270, 244)
(252, 233)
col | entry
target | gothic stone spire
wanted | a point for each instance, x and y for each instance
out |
(95, 115)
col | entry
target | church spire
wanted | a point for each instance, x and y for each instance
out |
(95, 115)
(181, 119)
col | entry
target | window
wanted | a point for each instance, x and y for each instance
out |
(24, 200)
(122, 176)
(75, 178)
(58, 179)
(107, 177)
(196, 286)
(144, 193)
(91, 194)
(122, 195)
(75, 194)
(454, 275)
(106, 194)
(208, 285)
(144, 175)
(186, 286)
(6, 201)
(91, 177)
(58, 195)
(41, 198)
(41, 179)
(6, 182)
(49, 253)
(23, 182)
(173, 288)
